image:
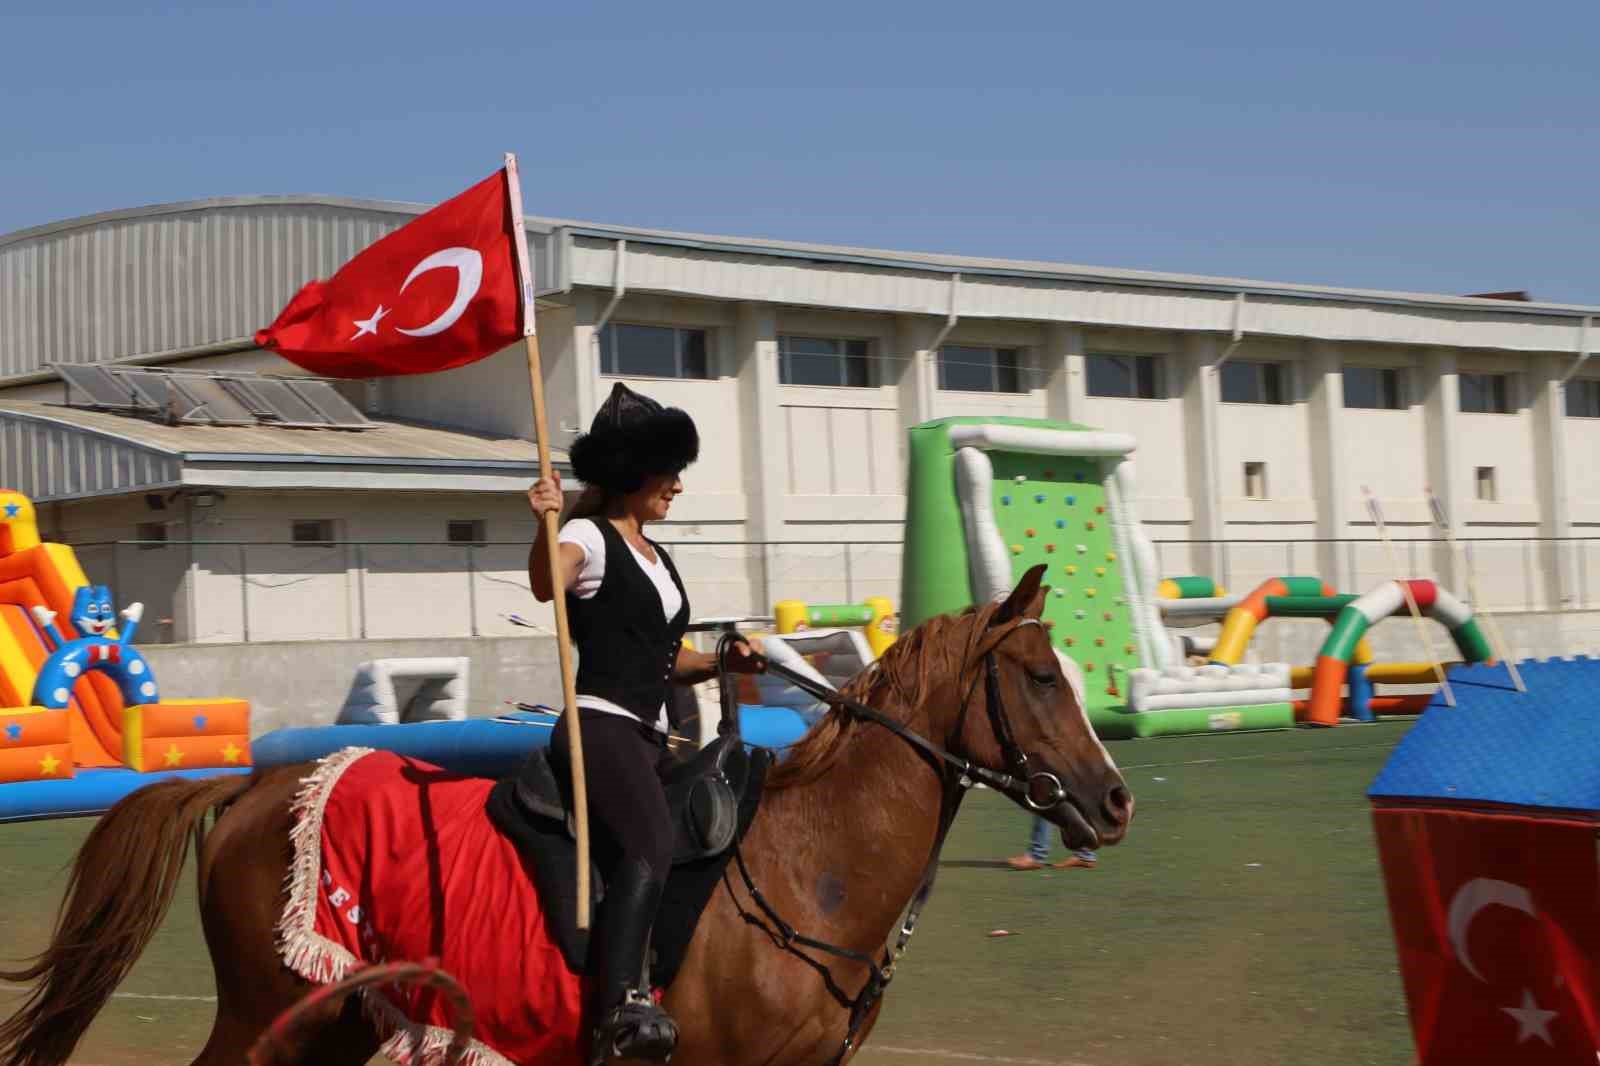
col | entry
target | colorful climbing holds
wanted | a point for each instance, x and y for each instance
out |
(1020, 478)
(1031, 532)
(1099, 642)
(1099, 571)
(1016, 549)
(1089, 593)
(1072, 501)
(1111, 557)
(1071, 569)
(1049, 548)
(1061, 523)
(1089, 524)
(1005, 501)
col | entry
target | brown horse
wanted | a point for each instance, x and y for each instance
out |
(848, 826)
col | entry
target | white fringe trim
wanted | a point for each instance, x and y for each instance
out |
(322, 961)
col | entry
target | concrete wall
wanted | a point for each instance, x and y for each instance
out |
(304, 683)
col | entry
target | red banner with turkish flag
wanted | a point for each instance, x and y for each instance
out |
(1496, 921)
(437, 293)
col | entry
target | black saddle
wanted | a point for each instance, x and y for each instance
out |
(712, 797)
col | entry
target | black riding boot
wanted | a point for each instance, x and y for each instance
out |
(631, 1025)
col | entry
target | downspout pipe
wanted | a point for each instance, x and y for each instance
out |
(1238, 331)
(619, 289)
(950, 319)
(1583, 349)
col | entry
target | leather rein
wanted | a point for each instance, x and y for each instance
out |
(957, 774)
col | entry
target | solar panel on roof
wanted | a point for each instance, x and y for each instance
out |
(215, 398)
(220, 407)
(272, 399)
(156, 390)
(93, 386)
(330, 402)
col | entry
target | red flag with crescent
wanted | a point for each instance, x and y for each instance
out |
(439, 292)
(1498, 934)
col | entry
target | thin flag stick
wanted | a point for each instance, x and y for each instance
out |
(569, 690)
(1411, 601)
(1479, 605)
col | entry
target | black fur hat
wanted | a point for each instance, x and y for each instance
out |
(633, 439)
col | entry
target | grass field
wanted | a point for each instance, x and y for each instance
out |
(1242, 922)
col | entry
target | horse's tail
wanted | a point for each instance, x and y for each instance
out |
(121, 886)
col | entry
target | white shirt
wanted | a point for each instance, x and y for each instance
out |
(587, 536)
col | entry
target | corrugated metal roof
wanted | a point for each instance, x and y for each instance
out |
(175, 279)
(52, 452)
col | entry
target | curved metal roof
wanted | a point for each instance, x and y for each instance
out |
(52, 452)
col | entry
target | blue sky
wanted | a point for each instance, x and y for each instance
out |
(1424, 146)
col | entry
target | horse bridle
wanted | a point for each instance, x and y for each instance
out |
(1016, 783)
(958, 775)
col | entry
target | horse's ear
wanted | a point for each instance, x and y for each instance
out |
(1027, 599)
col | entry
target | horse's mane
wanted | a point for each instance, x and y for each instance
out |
(934, 653)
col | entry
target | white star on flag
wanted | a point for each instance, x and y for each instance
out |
(1531, 1021)
(370, 325)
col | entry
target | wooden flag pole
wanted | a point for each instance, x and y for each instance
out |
(1479, 605)
(1411, 601)
(541, 430)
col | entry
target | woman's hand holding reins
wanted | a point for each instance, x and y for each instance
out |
(745, 657)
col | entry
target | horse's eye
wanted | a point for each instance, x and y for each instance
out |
(1045, 678)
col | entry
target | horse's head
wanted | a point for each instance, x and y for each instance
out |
(1032, 696)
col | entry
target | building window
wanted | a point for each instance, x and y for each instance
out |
(963, 368)
(1485, 481)
(312, 531)
(1372, 387)
(822, 361)
(1583, 398)
(653, 351)
(151, 535)
(470, 531)
(1255, 481)
(1485, 393)
(1253, 383)
(1131, 376)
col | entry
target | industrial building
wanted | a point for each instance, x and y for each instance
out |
(1262, 411)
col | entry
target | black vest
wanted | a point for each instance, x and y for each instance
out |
(626, 648)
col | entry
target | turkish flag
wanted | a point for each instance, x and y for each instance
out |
(1498, 933)
(439, 292)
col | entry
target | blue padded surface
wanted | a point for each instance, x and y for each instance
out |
(1539, 749)
(88, 794)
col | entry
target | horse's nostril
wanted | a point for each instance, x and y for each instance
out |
(1119, 804)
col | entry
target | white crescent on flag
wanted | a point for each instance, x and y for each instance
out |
(468, 264)
(1471, 898)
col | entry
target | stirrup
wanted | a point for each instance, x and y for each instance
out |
(638, 1029)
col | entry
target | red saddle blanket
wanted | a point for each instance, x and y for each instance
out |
(395, 859)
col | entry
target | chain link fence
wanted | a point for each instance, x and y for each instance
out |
(238, 592)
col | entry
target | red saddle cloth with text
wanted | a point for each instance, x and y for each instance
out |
(395, 859)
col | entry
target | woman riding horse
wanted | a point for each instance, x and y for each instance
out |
(629, 612)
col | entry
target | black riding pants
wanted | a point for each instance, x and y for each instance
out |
(627, 805)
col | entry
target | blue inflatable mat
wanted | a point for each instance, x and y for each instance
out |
(481, 747)
(1497, 745)
(89, 793)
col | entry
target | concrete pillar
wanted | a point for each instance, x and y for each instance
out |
(1547, 399)
(1441, 409)
(1200, 388)
(918, 368)
(766, 473)
(1324, 373)
(572, 380)
(1061, 359)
